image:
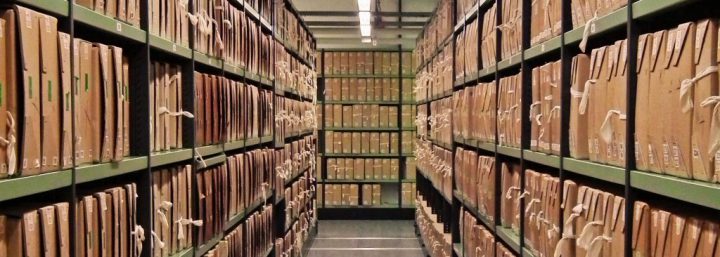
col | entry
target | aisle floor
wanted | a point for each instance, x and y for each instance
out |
(366, 238)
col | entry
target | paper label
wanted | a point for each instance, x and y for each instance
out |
(621, 151)
(651, 155)
(676, 155)
(666, 153)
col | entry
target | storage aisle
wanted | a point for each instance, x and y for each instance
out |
(359, 238)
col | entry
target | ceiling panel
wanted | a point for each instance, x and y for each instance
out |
(335, 23)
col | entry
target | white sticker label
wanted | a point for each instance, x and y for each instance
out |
(666, 153)
(592, 28)
(651, 155)
(174, 48)
(118, 26)
(676, 155)
(542, 47)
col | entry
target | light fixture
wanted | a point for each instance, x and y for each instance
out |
(364, 18)
(365, 30)
(364, 5)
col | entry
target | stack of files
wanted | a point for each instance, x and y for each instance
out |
(166, 107)
(251, 179)
(474, 112)
(410, 168)
(235, 35)
(475, 179)
(463, 8)
(441, 120)
(407, 64)
(362, 142)
(432, 232)
(173, 210)
(293, 159)
(266, 9)
(585, 12)
(421, 122)
(127, 11)
(293, 117)
(599, 85)
(282, 14)
(459, 57)
(407, 91)
(408, 191)
(105, 225)
(407, 145)
(293, 243)
(362, 116)
(441, 76)
(408, 113)
(344, 194)
(209, 23)
(545, 20)
(237, 100)
(251, 238)
(466, 51)
(36, 231)
(545, 108)
(168, 19)
(422, 84)
(438, 29)
(297, 198)
(361, 89)
(265, 62)
(488, 38)
(436, 164)
(364, 63)
(502, 251)
(509, 109)
(542, 213)
(363, 168)
(217, 194)
(477, 241)
(292, 74)
(510, 28)
(682, 81)
(511, 195)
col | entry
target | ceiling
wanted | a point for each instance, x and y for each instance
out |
(336, 25)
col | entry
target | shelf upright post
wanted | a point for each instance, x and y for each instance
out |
(632, 46)
(321, 135)
(73, 189)
(565, 100)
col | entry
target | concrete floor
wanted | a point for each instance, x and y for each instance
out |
(366, 238)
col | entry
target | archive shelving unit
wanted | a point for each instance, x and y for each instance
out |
(397, 210)
(628, 22)
(144, 47)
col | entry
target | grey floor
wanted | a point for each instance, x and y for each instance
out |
(366, 238)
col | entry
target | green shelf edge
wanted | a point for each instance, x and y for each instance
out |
(207, 60)
(608, 22)
(212, 161)
(509, 151)
(209, 245)
(12, 188)
(185, 253)
(56, 7)
(448, 198)
(170, 47)
(360, 181)
(235, 220)
(644, 8)
(458, 248)
(474, 210)
(110, 25)
(208, 150)
(599, 171)
(509, 237)
(508, 63)
(542, 158)
(543, 48)
(168, 157)
(295, 176)
(691, 191)
(239, 144)
(88, 173)
(234, 70)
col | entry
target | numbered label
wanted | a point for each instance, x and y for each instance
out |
(118, 27)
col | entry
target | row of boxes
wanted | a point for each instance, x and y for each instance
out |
(360, 89)
(101, 110)
(440, 120)
(438, 28)
(288, 28)
(463, 8)
(166, 107)
(509, 109)
(545, 20)
(407, 194)
(253, 237)
(475, 180)
(435, 163)
(293, 242)
(298, 196)
(349, 195)
(365, 142)
(488, 38)
(584, 11)
(293, 75)
(545, 108)
(510, 28)
(173, 210)
(474, 115)
(432, 232)
(510, 193)
(436, 79)
(359, 169)
(478, 241)
(228, 110)
(467, 51)
(293, 117)
(105, 225)
(364, 116)
(127, 11)
(168, 19)
(542, 213)
(367, 63)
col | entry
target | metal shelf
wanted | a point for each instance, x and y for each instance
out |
(472, 208)
(185, 253)
(442, 145)
(209, 150)
(448, 198)
(297, 175)
(437, 51)
(542, 158)
(12, 188)
(543, 48)
(295, 53)
(369, 76)
(509, 237)
(246, 143)
(599, 171)
(509, 151)
(170, 47)
(209, 245)
(212, 161)
(360, 181)
(692, 191)
(472, 143)
(168, 157)
(238, 218)
(88, 173)
(107, 24)
(645, 8)
(614, 20)
(56, 7)
(512, 62)
(207, 60)
(234, 70)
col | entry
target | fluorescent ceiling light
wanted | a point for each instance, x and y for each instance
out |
(365, 30)
(364, 5)
(364, 18)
